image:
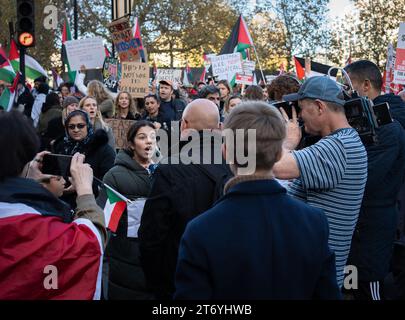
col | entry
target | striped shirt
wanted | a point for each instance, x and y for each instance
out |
(333, 175)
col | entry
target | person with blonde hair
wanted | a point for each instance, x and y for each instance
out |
(89, 104)
(125, 107)
(97, 90)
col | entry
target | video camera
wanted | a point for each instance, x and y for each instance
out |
(365, 117)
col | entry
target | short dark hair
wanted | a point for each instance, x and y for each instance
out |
(133, 130)
(152, 95)
(204, 92)
(254, 92)
(366, 70)
(18, 137)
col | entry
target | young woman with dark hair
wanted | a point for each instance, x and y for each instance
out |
(131, 177)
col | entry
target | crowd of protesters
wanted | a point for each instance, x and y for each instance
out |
(320, 198)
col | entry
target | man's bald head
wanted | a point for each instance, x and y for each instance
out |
(201, 114)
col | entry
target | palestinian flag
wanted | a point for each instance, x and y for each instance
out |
(8, 95)
(239, 40)
(67, 36)
(316, 69)
(114, 208)
(7, 73)
(33, 69)
(107, 52)
(43, 258)
(137, 36)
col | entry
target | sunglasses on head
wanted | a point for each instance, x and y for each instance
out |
(78, 126)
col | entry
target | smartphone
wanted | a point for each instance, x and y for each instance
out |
(56, 164)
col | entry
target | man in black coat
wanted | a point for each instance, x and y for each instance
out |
(373, 239)
(187, 185)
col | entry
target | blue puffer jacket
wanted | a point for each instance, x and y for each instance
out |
(375, 231)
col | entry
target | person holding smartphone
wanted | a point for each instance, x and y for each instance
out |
(80, 137)
(40, 235)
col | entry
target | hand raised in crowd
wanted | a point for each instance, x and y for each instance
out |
(82, 175)
(34, 168)
(294, 133)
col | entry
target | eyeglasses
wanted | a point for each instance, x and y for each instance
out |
(79, 126)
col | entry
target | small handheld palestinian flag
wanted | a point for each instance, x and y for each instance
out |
(114, 208)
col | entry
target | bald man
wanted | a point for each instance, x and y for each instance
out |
(185, 186)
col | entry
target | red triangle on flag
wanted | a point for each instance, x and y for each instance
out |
(13, 54)
(299, 69)
(244, 35)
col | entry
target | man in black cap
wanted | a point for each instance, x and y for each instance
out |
(171, 109)
(331, 174)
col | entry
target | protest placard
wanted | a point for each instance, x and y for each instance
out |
(135, 78)
(225, 66)
(120, 129)
(173, 75)
(244, 79)
(124, 41)
(89, 52)
(399, 70)
(111, 73)
(248, 67)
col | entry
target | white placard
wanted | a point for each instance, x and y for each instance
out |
(135, 210)
(399, 71)
(88, 52)
(173, 75)
(248, 67)
(225, 66)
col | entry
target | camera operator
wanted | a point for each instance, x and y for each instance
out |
(332, 173)
(374, 236)
(38, 231)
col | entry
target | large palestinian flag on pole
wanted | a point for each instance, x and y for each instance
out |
(313, 69)
(67, 36)
(33, 69)
(7, 73)
(239, 40)
(43, 258)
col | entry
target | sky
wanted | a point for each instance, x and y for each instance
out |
(337, 7)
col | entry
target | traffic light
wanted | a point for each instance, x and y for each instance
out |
(26, 23)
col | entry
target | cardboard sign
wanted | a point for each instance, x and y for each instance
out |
(244, 79)
(225, 66)
(135, 78)
(111, 73)
(173, 75)
(120, 129)
(123, 38)
(88, 52)
(399, 70)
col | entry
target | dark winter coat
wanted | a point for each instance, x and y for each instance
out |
(97, 153)
(374, 235)
(126, 279)
(179, 193)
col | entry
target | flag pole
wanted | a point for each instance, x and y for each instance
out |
(260, 67)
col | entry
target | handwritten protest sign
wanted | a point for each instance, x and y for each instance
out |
(173, 75)
(399, 71)
(248, 67)
(120, 129)
(124, 41)
(111, 73)
(135, 78)
(225, 66)
(88, 52)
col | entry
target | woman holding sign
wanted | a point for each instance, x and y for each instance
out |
(130, 176)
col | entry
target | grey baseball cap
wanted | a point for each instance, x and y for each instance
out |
(322, 88)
